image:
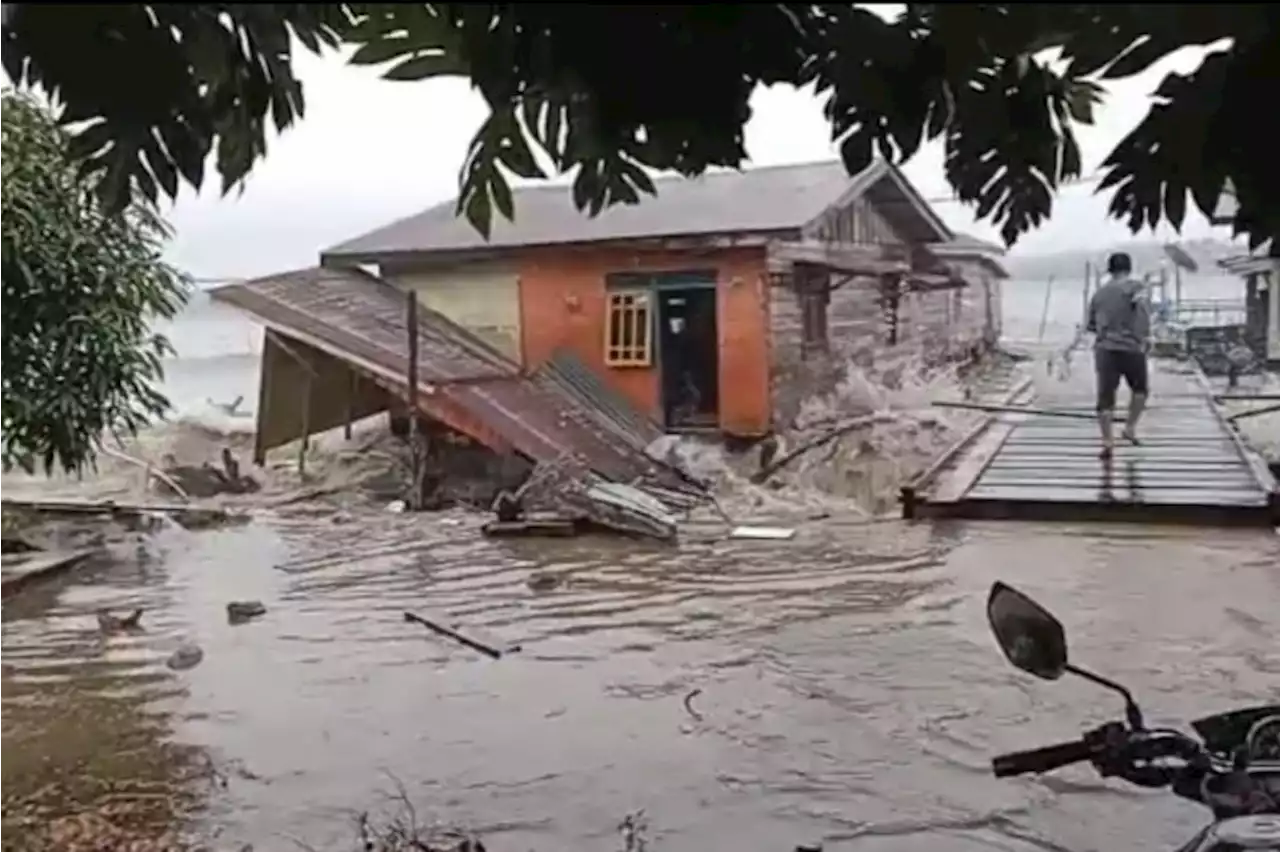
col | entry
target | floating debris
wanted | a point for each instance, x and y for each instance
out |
(443, 630)
(543, 581)
(238, 612)
(109, 623)
(21, 569)
(535, 527)
(187, 656)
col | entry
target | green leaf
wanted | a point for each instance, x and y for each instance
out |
(500, 191)
(384, 50)
(475, 206)
(427, 65)
(82, 285)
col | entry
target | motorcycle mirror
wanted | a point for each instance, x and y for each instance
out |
(1030, 637)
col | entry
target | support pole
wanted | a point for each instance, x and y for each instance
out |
(411, 398)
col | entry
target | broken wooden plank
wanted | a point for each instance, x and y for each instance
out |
(21, 570)
(91, 506)
(532, 528)
(449, 632)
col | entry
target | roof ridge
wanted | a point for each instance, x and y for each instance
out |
(752, 198)
(547, 183)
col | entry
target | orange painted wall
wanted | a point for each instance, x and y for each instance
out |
(562, 304)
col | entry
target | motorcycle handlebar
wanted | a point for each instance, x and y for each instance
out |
(1114, 749)
(1041, 759)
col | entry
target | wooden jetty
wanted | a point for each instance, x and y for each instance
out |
(1191, 466)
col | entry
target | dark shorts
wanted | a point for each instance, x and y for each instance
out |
(1114, 365)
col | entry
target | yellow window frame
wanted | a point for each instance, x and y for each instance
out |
(628, 332)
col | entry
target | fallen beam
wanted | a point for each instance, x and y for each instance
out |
(92, 506)
(28, 568)
(1016, 409)
(1253, 412)
(450, 633)
(531, 528)
(183, 515)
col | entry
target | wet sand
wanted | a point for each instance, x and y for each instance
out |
(848, 687)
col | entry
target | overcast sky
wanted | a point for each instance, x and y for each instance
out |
(370, 151)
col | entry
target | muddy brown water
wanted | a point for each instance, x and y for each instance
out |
(849, 690)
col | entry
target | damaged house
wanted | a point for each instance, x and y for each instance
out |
(1260, 270)
(708, 308)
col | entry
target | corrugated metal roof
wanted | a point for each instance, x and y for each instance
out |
(772, 199)
(969, 244)
(362, 319)
(569, 372)
(369, 315)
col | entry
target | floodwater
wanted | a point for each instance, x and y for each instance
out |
(844, 687)
(847, 690)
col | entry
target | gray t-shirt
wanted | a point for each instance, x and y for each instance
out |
(1119, 316)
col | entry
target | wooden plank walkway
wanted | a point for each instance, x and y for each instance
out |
(1190, 467)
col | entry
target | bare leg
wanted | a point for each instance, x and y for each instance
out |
(1137, 404)
(1109, 372)
(1106, 425)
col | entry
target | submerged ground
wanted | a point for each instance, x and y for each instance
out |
(745, 695)
(846, 687)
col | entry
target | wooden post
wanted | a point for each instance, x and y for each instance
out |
(306, 426)
(411, 398)
(1088, 274)
(1044, 311)
(266, 372)
(353, 384)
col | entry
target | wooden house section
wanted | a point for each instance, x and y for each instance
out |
(483, 298)
(680, 332)
(338, 345)
(305, 391)
(865, 279)
(1261, 274)
(706, 304)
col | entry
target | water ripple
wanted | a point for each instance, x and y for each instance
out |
(846, 684)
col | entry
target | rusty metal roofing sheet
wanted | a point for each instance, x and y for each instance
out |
(362, 319)
(365, 316)
(567, 371)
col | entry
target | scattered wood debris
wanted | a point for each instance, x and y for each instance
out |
(449, 632)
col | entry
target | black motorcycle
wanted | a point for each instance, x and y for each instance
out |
(1233, 768)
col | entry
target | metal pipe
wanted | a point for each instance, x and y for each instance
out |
(1247, 397)
(1015, 409)
(1240, 415)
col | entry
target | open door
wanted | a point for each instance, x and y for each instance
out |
(689, 357)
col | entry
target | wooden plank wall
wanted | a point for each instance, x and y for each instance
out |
(935, 326)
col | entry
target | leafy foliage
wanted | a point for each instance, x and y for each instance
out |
(607, 92)
(80, 289)
(154, 90)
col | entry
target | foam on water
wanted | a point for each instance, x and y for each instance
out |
(860, 469)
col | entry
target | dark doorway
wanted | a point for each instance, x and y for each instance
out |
(689, 357)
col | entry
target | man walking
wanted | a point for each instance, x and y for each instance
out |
(1121, 324)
